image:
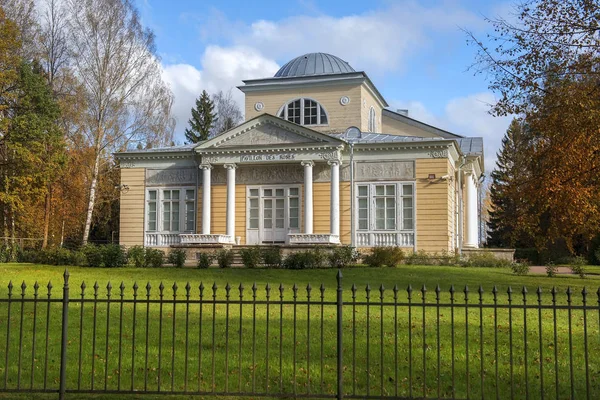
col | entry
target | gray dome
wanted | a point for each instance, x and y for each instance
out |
(314, 64)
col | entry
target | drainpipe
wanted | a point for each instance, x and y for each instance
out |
(352, 217)
(459, 225)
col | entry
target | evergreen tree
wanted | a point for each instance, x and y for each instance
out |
(512, 167)
(203, 119)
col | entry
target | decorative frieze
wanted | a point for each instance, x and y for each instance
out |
(175, 176)
(266, 134)
(267, 157)
(386, 170)
(438, 153)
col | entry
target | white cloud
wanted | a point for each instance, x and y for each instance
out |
(221, 69)
(376, 41)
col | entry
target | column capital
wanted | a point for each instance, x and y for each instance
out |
(307, 163)
(230, 166)
(205, 166)
(334, 162)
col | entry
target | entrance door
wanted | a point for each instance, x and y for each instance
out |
(273, 212)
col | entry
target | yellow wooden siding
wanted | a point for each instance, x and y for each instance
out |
(394, 127)
(368, 101)
(322, 207)
(240, 212)
(218, 212)
(432, 205)
(340, 117)
(345, 210)
(131, 221)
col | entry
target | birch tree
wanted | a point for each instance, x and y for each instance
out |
(125, 98)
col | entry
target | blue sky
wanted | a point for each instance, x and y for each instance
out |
(414, 51)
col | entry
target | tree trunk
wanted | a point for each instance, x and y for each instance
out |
(47, 207)
(92, 201)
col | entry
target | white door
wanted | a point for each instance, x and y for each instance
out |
(273, 212)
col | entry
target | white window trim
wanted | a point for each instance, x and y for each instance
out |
(159, 209)
(399, 207)
(284, 108)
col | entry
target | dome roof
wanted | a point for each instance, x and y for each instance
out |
(314, 64)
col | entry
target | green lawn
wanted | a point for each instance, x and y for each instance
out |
(238, 350)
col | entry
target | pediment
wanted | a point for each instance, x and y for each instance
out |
(264, 135)
(267, 130)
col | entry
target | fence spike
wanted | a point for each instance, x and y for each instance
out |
(353, 289)
(122, 287)
(23, 287)
(201, 288)
(584, 293)
(268, 290)
(161, 287)
(241, 289)
(148, 287)
(509, 292)
(10, 287)
(381, 290)
(175, 287)
(524, 291)
(569, 293)
(188, 287)
(135, 288)
(466, 292)
(96, 287)
(409, 288)
(395, 290)
(423, 290)
(308, 290)
(36, 286)
(339, 275)
(214, 289)
(281, 288)
(66, 275)
(295, 290)
(598, 294)
(227, 289)
(108, 289)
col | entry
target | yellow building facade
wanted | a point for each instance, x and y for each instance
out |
(320, 159)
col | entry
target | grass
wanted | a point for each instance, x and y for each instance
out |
(302, 349)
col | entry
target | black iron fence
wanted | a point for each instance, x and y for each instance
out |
(301, 342)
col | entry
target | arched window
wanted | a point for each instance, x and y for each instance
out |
(304, 112)
(372, 120)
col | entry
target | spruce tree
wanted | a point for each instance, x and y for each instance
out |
(512, 167)
(203, 118)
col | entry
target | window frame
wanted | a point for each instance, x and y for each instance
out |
(183, 202)
(371, 197)
(320, 110)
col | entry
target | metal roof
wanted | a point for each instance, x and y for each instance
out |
(170, 149)
(314, 64)
(472, 146)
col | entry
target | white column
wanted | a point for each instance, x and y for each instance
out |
(335, 197)
(230, 200)
(308, 196)
(470, 211)
(206, 198)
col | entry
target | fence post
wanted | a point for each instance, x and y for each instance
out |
(340, 348)
(63, 350)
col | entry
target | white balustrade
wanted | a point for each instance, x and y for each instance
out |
(376, 239)
(156, 239)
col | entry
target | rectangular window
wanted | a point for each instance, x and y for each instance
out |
(294, 112)
(385, 207)
(294, 207)
(310, 112)
(151, 207)
(171, 210)
(363, 207)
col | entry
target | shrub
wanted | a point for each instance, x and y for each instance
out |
(271, 257)
(384, 256)
(177, 258)
(449, 258)
(137, 256)
(304, 260)
(251, 257)
(578, 266)
(551, 270)
(529, 255)
(154, 258)
(9, 252)
(225, 258)
(205, 260)
(418, 258)
(519, 268)
(485, 260)
(93, 255)
(342, 256)
(113, 255)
